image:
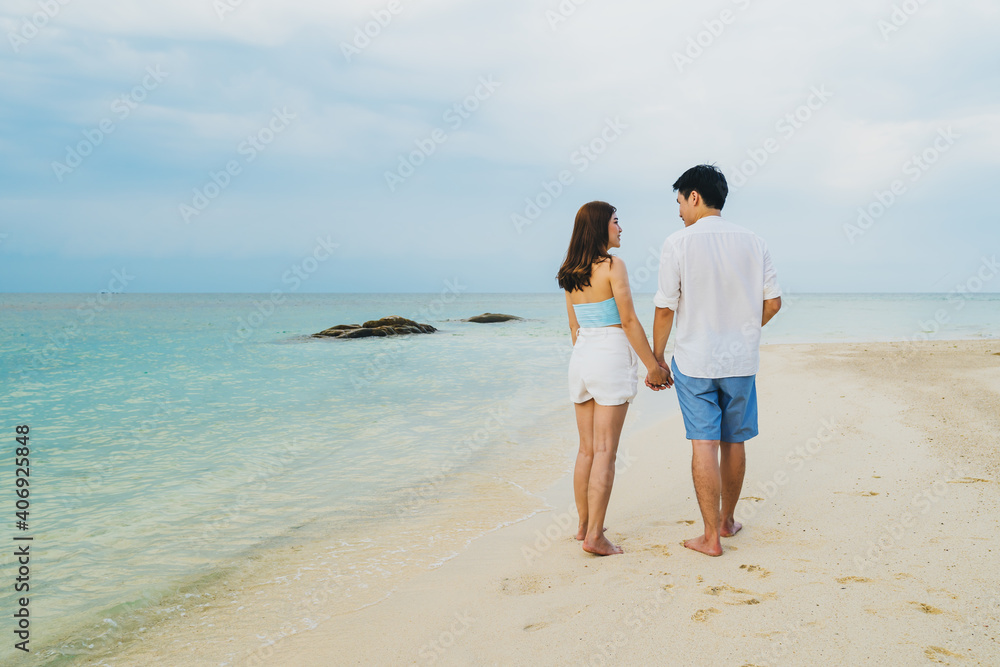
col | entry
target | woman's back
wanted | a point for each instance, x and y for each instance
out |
(595, 305)
(599, 288)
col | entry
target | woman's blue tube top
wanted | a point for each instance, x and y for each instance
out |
(600, 314)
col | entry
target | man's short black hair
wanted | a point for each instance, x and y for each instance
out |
(708, 181)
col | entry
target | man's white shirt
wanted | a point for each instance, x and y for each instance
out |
(716, 275)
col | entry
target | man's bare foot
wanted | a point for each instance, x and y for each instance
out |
(581, 532)
(729, 528)
(702, 545)
(601, 547)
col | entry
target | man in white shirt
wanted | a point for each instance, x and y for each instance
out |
(716, 279)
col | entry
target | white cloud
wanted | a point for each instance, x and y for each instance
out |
(558, 88)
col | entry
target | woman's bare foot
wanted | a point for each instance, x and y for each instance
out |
(729, 528)
(601, 547)
(581, 532)
(702, 545)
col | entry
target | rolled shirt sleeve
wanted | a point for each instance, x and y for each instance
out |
(772, 290)
(668, 292)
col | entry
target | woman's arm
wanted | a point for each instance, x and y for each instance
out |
(573, 324)
(630, 321)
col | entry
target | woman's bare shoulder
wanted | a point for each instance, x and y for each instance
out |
(613, 266)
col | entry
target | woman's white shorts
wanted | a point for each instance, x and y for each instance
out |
(603, 367)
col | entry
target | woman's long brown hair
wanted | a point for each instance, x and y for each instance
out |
(588, 244)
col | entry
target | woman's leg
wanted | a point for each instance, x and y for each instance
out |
(608, 422)
(584, 460)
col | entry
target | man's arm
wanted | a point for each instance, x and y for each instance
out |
(771, 308)
(663, 322)
(667, 299)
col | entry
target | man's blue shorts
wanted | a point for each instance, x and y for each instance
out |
(717, 408)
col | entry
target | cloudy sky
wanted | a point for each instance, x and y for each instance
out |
(391, 145)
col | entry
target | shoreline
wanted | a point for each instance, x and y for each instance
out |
(526, 592)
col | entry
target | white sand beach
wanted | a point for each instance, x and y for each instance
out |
(869, 537)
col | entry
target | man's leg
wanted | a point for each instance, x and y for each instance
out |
(708, 488)
(732, 468)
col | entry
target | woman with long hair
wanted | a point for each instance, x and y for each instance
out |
(602, 369)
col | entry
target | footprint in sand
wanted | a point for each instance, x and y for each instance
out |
(702, 615)
(748, 597)
(686, 522)
(761, 572)
(661, 549)
(926, 608)
(532, 627)
(969, 480)
(854, 580)
(753, 498)
(524, 585)
(936, 654)
(942, 591)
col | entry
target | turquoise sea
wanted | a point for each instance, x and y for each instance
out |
(190, 447)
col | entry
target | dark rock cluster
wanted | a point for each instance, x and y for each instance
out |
(489, 318)
(387, 326)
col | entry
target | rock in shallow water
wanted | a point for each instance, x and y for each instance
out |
(489, 318)
(387, 326)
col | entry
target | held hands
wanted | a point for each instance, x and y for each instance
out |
(659, 378)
